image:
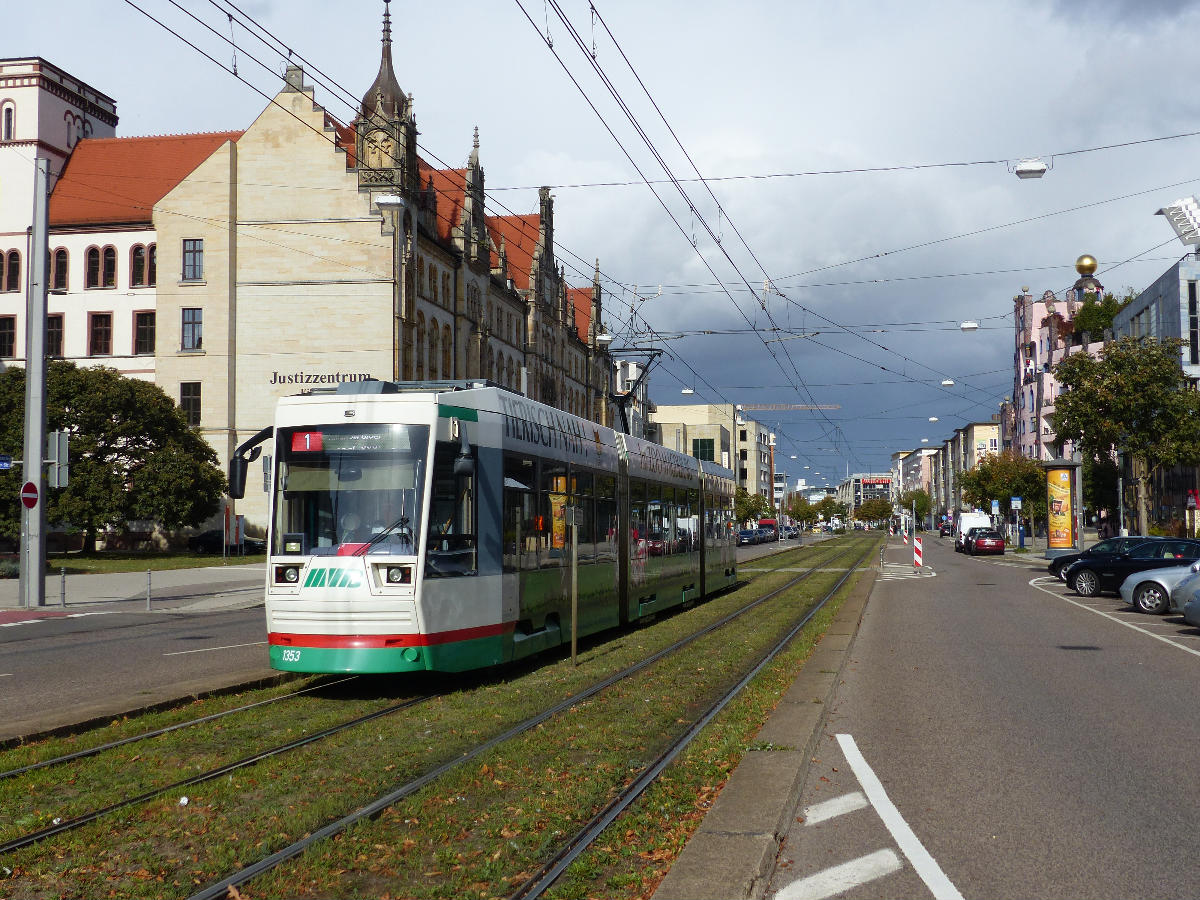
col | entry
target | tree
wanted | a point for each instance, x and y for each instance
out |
(133, 456)
(829, 509)
(876, 509)
(918, 502)
(801, 510)
(1132, 399)
(1002, 476)
(749, 507)
(1097, 314)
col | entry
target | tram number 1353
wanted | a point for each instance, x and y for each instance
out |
(291, 654)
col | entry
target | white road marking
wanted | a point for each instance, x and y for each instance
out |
(926, 866)
(56, 616)
(838, 879)
(207, 649)
(1109, 616)
(6, 675)
(838, 806)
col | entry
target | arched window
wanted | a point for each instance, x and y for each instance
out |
(152, 265)
(59, 266)
(433, 294)
(419, 349)
(490, 367)
(433, 350)
(91, 277)
(447, 347)
(9, 128)
(11, 276)
(137, 266)
(110, 267)
(446, 296)
(420, 276)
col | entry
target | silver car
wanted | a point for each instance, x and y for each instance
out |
(1191, 609)
(1152, 591)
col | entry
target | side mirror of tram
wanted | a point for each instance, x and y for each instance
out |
(464, 464)
(237, 476)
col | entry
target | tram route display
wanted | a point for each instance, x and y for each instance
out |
(420, 526)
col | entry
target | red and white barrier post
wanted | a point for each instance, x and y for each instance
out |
(916, 552)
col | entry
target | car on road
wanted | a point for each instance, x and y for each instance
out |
(1088, 577)
(985, 541)
(213, 541)
(946, 530)
(1191, 610)
(1103, 550)
(748, 536)
(964, 522)
(1151, 592)
(969, 537)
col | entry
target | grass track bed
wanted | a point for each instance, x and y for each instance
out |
(459, 827)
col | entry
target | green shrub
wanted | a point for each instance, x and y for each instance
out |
(9, 569)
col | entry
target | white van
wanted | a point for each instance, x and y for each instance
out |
(964, 522)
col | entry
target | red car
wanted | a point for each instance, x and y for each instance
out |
(987, 542)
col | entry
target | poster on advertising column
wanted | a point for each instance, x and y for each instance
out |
(1058, 506)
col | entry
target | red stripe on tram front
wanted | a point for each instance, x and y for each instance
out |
(376, 641)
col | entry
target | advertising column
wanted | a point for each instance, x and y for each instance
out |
(1062, 506)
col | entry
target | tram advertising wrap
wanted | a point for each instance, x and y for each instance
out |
(421, 526)
(1061, 514)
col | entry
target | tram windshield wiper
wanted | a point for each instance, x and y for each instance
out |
(405, 536)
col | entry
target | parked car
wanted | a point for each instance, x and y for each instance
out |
(964, 522)
(765, 535)
(985, 541)
(968, 542)
(1106, 548)
(1089, 577)
(1151, 592)
(747, 536)
(213, 541)
(1191, 610)
(946, 530)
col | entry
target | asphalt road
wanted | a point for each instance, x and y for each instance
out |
(1030, 745)
(62, 670)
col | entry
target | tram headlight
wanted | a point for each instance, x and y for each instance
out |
(287, 574)
(399, 575)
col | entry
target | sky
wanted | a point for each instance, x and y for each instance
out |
(860, 200)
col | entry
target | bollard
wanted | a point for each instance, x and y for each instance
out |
(62, 587)
(147, 590)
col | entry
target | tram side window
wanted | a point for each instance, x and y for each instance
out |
(656, 536)
(451, 545)
(637, 518)
(582, 489)
(520, 508)
(552, 502)
(712, 520)
(606, 518)
(689, 521)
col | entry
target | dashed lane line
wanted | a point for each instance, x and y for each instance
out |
(207, 649)
(924, 864)
(841, 878)
(1033, 583)
(838, 806)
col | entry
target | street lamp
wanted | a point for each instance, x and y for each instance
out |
(947, 382)
(969, 325)
(933, 418)
(1030, 168)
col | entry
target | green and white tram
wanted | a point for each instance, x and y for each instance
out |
(424, 526)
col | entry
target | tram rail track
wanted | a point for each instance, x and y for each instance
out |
(778, 562)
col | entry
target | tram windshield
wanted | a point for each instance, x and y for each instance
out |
(349, 489)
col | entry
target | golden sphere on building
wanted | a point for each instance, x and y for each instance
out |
(1086, 264)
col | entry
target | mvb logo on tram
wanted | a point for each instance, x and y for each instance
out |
(334, 578)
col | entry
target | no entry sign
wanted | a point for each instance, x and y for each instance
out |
(29, 495)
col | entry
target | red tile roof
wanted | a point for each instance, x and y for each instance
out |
(449, 187)
(520, 234)
(580, 299)
(118, 180)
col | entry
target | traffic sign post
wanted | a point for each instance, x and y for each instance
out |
(29, 495)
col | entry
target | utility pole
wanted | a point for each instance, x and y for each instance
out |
(33, 515)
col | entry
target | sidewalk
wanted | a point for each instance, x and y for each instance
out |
(215, 587)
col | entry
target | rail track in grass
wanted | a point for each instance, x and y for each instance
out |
(26, 859)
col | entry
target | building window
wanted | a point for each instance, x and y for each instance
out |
(702, 448)
(59, 266)
(152, 265)
(110, 267)
(91, 278)
(193, 329)
(143, 333)
(10, 276)
(8, 123)
(1193, 325)
(137, 267)
(193, 260)
(8, 336)
(100, 334)
(54, 335)
(189, 401)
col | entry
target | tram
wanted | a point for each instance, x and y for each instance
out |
(427, 526)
